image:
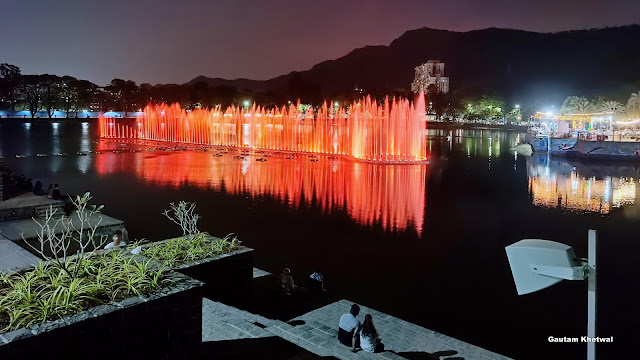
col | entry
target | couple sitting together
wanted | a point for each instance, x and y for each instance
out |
(351, 332)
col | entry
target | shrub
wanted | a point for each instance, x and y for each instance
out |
(186, 249)
(49, 292)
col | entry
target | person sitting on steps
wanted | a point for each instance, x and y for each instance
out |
(288, 287)
(369, 339)
(349, 328)
(316, 282)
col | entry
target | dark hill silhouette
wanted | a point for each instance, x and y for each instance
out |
(511, 63)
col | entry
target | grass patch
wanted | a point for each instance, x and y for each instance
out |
(190, 248)
(47, 292)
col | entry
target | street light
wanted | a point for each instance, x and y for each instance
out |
(538, 264)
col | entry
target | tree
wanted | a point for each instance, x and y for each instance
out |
(199, 94)
(67, 94)
(123, 94)
(50, 93)
(613, 106)
(10, 79)
(437, 103)
(31, 91)
(491, 107)
(144, 96)
(183, 214)
(514, 114)
(633, 104)
(84, 92)
(56, 234)
(576, 105)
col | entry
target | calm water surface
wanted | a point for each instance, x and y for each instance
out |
(424, 243)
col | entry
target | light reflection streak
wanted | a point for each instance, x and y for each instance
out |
(391, 195)
(555, 183)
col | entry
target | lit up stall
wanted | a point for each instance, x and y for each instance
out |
(585, 126)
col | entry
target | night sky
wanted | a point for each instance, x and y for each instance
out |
(169, 41)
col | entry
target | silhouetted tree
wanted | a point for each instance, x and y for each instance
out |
(50, 93)
(10, 79)
(144, 96)
(31, 91)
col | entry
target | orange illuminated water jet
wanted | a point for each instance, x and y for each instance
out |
(390, 132)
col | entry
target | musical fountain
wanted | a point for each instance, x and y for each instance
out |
(390, 132)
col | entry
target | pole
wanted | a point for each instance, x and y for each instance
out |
(591, 296)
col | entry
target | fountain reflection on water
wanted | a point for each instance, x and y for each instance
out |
(390, 195)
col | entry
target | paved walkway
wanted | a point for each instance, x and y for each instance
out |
(223, 322)
(316, 332)
(12, 256)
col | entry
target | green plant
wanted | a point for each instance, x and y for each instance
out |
(48, 291)
(185, 249)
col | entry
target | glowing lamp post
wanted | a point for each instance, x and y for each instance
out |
(538, 264)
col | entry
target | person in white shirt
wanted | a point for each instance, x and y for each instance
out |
(369, 339)
(349, 328)
(117, 241)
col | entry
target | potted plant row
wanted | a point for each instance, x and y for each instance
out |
(96, 303)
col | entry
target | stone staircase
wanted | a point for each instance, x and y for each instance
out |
(322, 340)
(222, 322)
(31, 211)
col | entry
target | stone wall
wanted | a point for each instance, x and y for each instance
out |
(231, 272)
(164, 326)
(28, 212)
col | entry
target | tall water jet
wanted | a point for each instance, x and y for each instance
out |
(391, 132)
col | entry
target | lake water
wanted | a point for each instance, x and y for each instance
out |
(421, 242)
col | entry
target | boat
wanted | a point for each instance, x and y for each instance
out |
(522, 149)
(588, 136)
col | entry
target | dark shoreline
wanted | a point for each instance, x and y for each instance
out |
(472, 126)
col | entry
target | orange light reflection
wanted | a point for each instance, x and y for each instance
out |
(393, 195)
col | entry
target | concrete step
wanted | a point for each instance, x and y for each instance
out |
(31, 211)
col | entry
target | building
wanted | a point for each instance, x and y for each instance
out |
(430, 73)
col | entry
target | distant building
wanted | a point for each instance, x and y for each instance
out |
(430, 73)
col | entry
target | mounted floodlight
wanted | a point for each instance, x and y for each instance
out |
(537, 264)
